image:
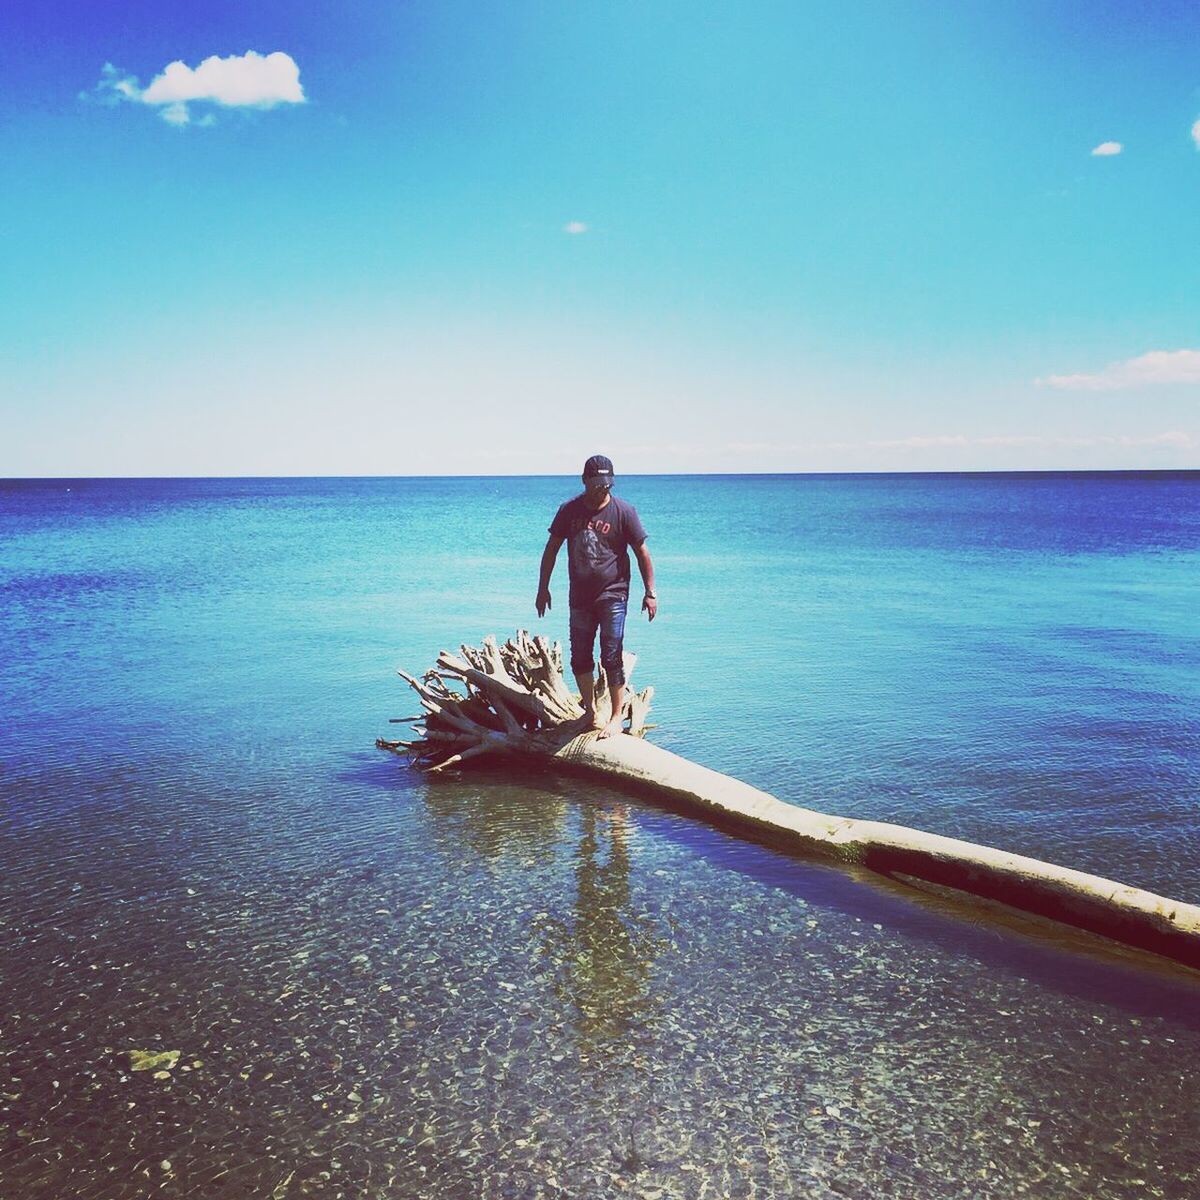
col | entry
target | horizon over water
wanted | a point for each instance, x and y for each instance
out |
(1150, 472)
(508, 983)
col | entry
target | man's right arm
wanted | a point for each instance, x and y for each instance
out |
(549, 556)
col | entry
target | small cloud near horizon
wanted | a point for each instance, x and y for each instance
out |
(575, 227)
(1153, 368)
(1082, 441)
(1107, 149)
(1175, 438)
(249, 80)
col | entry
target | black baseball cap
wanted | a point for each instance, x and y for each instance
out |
(597, 465)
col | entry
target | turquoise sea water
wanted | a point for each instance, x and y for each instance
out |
(513, 984)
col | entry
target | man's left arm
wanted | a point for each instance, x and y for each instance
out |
(650, 601)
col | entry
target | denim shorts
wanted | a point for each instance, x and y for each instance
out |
(608, 615)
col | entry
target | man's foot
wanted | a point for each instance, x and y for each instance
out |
(591, 719)
(612, 728)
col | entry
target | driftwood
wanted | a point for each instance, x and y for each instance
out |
(514, 700)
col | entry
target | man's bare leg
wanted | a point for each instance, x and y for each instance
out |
(614, 722)
(587, 697)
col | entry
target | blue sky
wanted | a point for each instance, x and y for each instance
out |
(495, 238)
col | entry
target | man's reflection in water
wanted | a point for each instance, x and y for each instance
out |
(602, 959)
(496, 818)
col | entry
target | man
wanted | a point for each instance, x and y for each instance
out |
(599, 529)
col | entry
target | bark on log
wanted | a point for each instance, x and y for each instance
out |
(514, 700)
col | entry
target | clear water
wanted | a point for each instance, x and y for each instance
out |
(515, 984)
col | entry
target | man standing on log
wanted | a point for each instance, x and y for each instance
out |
(600, 528)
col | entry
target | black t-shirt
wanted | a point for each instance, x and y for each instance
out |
(598, 547)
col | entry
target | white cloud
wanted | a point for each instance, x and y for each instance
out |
(1176, 437)
(1156, 367)
(249, 80)
(1196, 134)
(921, 442)
(176, 114)
(938, 441)
(1107, 149)
(253, 79)
(961, 441)
(575, 227)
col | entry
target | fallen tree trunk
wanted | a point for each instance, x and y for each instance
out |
(514, 700)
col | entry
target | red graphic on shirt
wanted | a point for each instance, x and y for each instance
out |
(600, 526)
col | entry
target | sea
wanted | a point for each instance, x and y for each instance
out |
(244, 953)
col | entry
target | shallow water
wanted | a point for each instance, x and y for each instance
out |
(511, 984)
